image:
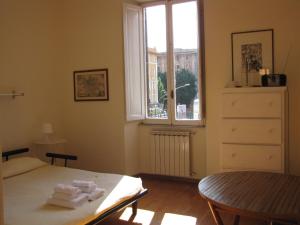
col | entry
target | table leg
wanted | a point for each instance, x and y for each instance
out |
(236, 220)
(215, 213)
(134, 208)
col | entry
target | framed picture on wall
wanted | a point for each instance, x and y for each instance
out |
(251, 51)
(91, 85)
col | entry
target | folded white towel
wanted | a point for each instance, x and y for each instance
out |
(64, 196)
(88, 189)
(96, 194)
(68, 189)
(82, 183)
(82, 198)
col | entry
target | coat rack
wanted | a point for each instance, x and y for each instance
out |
(12, 94)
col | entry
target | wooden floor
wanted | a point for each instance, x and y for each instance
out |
(171, 203)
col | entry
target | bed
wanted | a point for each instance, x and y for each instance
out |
(28, 182)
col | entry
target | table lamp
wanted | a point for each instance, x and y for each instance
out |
(47, 130)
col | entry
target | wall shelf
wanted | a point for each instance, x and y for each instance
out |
(12, 94)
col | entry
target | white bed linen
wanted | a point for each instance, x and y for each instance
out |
(25, 196)
(20, 165)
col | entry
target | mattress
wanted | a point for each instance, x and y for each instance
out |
(26, 193)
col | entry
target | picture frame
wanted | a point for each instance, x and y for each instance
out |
(251, 51)
(91, 85)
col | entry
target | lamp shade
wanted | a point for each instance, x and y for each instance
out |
(47, 128)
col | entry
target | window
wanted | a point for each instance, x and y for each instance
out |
(172, 56)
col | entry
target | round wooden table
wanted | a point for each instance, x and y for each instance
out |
(268, 196)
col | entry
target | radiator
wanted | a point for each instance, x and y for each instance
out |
(170, 153)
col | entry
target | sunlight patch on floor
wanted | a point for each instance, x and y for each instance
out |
(143, 216)
(176, 219)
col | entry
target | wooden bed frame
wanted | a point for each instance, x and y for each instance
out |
(131, 201)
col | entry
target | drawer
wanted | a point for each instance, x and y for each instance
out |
(251, 105)
(251, 131)
(251, 157)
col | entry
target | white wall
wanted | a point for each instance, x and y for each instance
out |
(132, 148)
(221, 19)
(93, 39)
(27, 64)
(44, 41)
(28, 43)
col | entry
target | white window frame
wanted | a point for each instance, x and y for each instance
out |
(171, 107)
(135, 69)
(134, 63)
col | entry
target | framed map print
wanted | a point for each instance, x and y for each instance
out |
(91, 85)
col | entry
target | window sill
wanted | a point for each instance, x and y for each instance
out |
(143, 123)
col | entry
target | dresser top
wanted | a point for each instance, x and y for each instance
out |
(254, 89)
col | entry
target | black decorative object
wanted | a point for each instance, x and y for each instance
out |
(264, 80)
(273, 80)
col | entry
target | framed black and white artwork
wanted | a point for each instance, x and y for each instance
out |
(251, 51)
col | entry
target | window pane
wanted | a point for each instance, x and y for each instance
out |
(185, 38)
(156, 62)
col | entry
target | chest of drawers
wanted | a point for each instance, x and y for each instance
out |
(254, 129)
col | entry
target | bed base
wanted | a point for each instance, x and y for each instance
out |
(65, 157)
(7, 154)
(132, 201)
(53, 156)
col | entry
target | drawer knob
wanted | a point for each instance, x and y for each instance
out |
(270, 157)
(233, 129)
(233, 155)
(271, 130)
(270, 103)
(233, 102)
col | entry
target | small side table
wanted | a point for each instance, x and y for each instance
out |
(51, 141)
(54, 145)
